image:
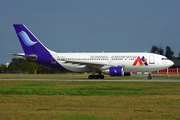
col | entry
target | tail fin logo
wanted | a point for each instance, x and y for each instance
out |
(142, 61)
(27, 41)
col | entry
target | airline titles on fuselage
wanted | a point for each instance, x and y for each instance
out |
(96, 57)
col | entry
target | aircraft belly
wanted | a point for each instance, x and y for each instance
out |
(136, 69)
(143, 68)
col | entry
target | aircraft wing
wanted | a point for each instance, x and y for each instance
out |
(96, 65)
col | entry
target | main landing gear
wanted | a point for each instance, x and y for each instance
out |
(96, 76)
(149, 77)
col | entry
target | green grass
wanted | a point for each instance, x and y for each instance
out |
(168, 76)
(78, 76)
(59, 76)
(74, 100)
(83, 117)
(82, 88)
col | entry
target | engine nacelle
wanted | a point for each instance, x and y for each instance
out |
(116, 71)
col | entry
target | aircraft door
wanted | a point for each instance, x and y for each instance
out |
(109, 59)
(151, 59)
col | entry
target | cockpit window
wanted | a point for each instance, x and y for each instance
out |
(164, 59)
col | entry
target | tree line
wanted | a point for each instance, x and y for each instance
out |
(19, 65)
(168, 53)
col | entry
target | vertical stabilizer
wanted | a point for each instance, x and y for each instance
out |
(29, 42)
(34, 50)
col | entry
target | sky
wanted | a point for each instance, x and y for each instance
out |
(91, 25)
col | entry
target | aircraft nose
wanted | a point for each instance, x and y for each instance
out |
(171, 63)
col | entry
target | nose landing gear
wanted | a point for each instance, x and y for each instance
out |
(149, 77)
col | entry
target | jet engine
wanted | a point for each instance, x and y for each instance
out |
(116, 71)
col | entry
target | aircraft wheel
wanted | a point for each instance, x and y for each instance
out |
(101, 76)
(96, 77)
(90, 77)
(149, 77)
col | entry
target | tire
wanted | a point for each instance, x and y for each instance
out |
(96, 77)
(101, 76)
(90, 77)
(149, 77)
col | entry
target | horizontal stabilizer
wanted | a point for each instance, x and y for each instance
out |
(29, 57)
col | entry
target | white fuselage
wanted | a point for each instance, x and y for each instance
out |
(75, 61)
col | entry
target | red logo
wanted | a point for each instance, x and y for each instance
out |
(141, 61)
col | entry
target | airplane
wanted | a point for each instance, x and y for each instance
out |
(113, 64)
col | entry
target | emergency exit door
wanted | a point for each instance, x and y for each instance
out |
(151, 59)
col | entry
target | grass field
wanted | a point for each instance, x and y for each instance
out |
(70, 100)
(78, 76)
(60, 76)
